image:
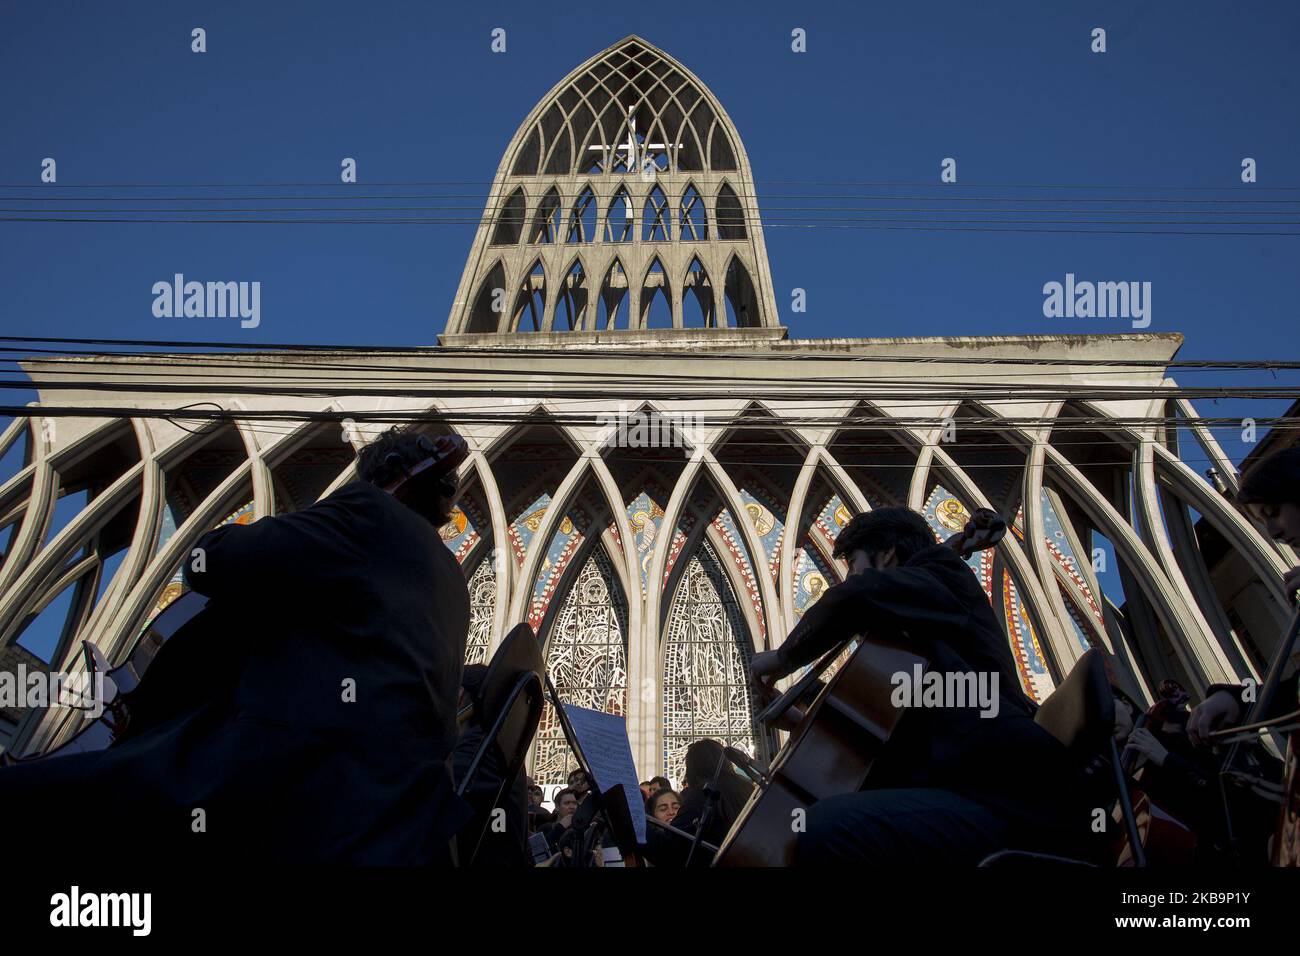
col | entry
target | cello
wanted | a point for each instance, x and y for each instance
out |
(832, 749)
(1262, 716)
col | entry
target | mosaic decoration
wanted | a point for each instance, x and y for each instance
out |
(947, 515)
(523, 527)
(645, 514)
(1058, 545)
(734, 542)
(706, 665)
(587, 661)
(768, 518)
(565, 543)
(461, 533)
(812, 566)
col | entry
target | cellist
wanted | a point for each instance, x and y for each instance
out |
(961, 778)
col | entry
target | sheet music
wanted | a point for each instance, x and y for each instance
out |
(603, 739)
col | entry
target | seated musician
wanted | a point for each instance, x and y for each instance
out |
(710, 803)
(505, 844)
(951, 786)
(1271, 492)
(1181, 780)
(331, 745)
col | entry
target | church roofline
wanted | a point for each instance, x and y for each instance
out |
(757, 344)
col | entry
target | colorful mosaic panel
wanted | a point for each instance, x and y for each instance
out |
(946, 514)
(725, 525)
(462, 532)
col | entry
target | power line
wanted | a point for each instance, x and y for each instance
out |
(602, 355)
(923, 184)
(65, 220)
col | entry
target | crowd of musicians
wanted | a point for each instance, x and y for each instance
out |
(358, 592)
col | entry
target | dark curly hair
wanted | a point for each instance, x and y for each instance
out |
(1273, 481)
(874, 531)
(381, 462)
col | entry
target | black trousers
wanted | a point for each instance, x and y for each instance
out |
(907, 827)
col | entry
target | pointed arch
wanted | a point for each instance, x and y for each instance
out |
(656, 218)
(586, 653)
(529, 313)
(612, 293)
(546, 227)
(510, 220)
(489, 303)
(582, 217)
(730, 214)
(706, 655)
(741, 297)
(693, 220)
(656, 298)
(620, 218)
(697, 282)
(571, 310)
(529, 155)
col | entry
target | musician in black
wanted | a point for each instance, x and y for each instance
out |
(951, 786)
(1271, 492)
(346, 625)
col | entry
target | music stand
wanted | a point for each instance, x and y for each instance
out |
(612, 803)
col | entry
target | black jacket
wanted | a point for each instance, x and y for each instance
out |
(937, 606)
(332, 744)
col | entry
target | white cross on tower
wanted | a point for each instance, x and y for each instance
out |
(631, 147)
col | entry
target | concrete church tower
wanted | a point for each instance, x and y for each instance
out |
(626, 187)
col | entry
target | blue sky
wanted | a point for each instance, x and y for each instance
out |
(885, 91)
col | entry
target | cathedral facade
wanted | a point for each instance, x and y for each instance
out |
(658, 470)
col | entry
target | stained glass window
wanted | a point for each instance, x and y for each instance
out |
(482, 605)
(706, 665)
(586, 659)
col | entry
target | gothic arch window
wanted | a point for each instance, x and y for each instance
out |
(721, 155)
(741, 297)
(482, 606)
(545, 226)
(656, 298)
(612, 293)
(582, 218)
(526, 161)
(530, 303)
(630, 106)
(621, 220)
(510, 220)
(697, 282)
(693, 224)
(730, 214)
(489, 303)
(586, 657)
(705, 664)
(656, 217)
(573, 298)
(559, 141)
